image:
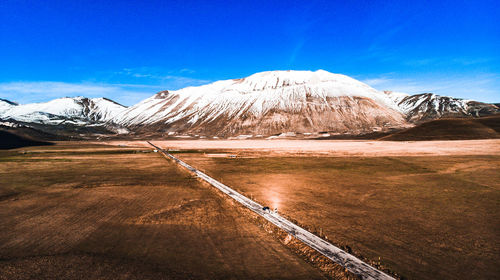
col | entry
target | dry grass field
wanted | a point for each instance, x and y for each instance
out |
(425, 217)
(86, 211)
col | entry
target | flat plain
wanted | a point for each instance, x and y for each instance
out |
(88, 211)
(426, 210)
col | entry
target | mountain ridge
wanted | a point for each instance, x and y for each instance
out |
(429, 106)
(81, 110)
(265, 103)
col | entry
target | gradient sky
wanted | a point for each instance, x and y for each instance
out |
(128, 50)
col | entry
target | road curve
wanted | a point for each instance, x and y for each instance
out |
(349, 262)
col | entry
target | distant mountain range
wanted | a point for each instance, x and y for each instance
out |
(68, 117)
(261, 105)
(77, 110)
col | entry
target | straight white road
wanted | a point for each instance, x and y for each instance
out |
(350, 262)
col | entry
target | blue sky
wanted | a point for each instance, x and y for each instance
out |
(128, 50)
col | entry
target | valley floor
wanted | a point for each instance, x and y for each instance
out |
(86, 211)
(425, 210)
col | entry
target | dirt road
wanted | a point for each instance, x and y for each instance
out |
(351, 263)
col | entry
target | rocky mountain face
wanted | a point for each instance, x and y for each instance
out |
(428, 106)
(267, 103)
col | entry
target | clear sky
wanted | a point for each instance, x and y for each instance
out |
(128, 50)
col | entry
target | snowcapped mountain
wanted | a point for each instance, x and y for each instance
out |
(267, 103)
(76, 110)
(429, 106)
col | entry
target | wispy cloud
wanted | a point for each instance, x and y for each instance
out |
(187, 70)
(28, 92)
(172, 79)
(140, 83)
(177, 82)
(447, 61)
(296, 51)
(483, 87)
(419, 62)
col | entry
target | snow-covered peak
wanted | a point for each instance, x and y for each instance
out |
(337, 83)
(104, 109)
(281, 85)
(279, 79)
(274, 96)
(429, 106)
(6, 104)
(430, 101)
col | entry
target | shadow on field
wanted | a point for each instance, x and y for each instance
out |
(10, 140)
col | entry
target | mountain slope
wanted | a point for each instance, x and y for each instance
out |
(451, 129)
(267, 103)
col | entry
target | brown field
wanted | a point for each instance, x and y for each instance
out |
(430, 213)
(429, 210)
(86, 211)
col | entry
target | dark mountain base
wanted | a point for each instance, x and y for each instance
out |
(451, 129)
(67, 131)
(61, 132)
(9, 140)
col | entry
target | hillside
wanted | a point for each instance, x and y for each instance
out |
(450, 129)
